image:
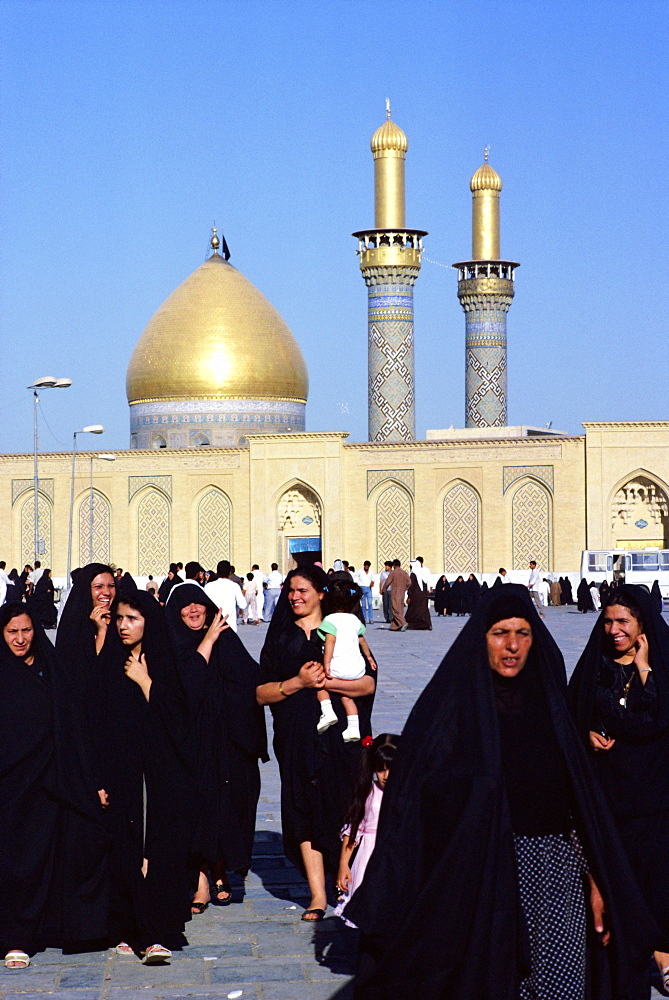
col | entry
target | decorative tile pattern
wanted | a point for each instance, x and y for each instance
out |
(391, 362)
(100, 550)
(461, 530)
(136, 483)
(531, 527)
(393, 526)
(226, 422)
(214, 516)
(153, 534)
(19, 486)
(485, 306)
(511, 473)
(44, 509)
(376, 476)
(641, 499)
(299, 508)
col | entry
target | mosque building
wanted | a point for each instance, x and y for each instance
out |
(220, 464)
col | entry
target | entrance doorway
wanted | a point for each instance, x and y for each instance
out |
(303, 552)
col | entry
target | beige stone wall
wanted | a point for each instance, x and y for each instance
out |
(618, 454)
(502, 500)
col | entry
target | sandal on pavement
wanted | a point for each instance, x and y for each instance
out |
(221, 886)
(124, 949)
(156, 954)
(318, 915)
(16, 960)
(197, 907)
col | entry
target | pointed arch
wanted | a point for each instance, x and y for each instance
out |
(639, 511)
(531, 517)
(214, 527)
(94, 529)
(394, 525)
(461, 518)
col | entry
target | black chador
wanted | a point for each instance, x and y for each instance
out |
(227, 733)
(53, 845)
(439, 907)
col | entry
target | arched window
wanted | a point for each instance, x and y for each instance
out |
(94, 529)
(153, 534)
(393, 526)
(213, 528)
(158, 442)
(640, 514)
(531, 526)
(201, 440)
(461, 530)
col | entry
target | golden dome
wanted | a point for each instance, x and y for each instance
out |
(216, 337)
(389, 136)
(485, 178)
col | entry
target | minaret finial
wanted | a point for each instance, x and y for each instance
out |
(387, 107)
(214, 243)
(486, 153)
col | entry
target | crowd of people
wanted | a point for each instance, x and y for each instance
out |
(532, 818)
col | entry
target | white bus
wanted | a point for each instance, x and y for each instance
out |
(642, 566)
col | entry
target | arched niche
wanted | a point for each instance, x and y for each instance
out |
(94, 529)
(214, 527)
(461, 512)
(44, 520)
(153, 533)
(640, 514)
(531, 514)
(299, 522)
(394, 525)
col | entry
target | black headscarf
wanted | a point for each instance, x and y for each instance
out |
(472, 593)
(75, 640)
(459, 596)
(50, 813)
(317, 771)
(442, 596)
(227, 732)
(126, 585)
(141, 747)
(584, 600)
(634, 770)
(445, 840)
(41, 601)
(656, 596)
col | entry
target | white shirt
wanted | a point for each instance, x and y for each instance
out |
(364, 579)
(227, 595)
(34, 576)
(274, 580)
(534, 579)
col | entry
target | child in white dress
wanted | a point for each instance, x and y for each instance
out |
(363, 816)
(345, 645)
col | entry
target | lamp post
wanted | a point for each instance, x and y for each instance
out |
(91, 429)
(105, 457)
(48, 382)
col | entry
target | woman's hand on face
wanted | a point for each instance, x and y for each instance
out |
(218, 625)
(312, 674)
(344, 878)
(641, 655)
(136, 669)
(101, 617)
(599, 742)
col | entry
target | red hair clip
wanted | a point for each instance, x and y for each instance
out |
(367, 741)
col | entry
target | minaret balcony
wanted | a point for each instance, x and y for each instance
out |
(473, 270)
(390, 247)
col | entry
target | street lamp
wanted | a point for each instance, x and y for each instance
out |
(48, 382)
(105, 457)
(91, 429)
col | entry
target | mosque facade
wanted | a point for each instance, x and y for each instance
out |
(220, 464)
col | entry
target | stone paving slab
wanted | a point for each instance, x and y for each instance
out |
(257, 948)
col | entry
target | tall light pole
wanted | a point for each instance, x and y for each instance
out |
(91, 429)
(48, 382)
(105, 457)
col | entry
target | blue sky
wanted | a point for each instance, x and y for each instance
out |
(128, 127)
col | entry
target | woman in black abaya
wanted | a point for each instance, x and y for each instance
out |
(52, 848)
(41, 601)
(418, 599)
(472, 594)
(140, 730)
(317, 770)
(584, 600)
(490, 818)
(227, 736)
(442, 598)
(459, 597)
(619, 694)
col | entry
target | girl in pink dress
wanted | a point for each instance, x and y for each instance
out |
(359, 833)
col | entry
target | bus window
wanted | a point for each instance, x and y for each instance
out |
(664, 561)
(597, 562)
(645, 561)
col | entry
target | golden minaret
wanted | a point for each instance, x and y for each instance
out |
(390, 258)
(485, 290)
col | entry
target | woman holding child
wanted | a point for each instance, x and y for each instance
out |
(317, 769)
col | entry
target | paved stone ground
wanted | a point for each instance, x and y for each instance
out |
(257, 948)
